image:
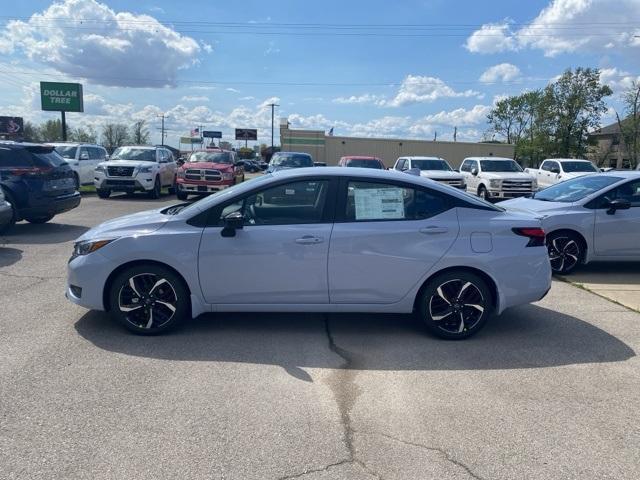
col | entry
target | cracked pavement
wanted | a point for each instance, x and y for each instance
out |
(545, 391)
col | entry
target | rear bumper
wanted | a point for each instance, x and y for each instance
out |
(6, 212)
(53, 206)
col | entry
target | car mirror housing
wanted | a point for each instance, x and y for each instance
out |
(555, 170)
(232, 222)
(618, 204)
(474, 171)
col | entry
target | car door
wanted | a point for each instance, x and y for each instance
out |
(617, 234)
(472, 180)
(386, 237)
(163, 160)
(172, 167)
(85, 172)
(96, 155)
(280, 254)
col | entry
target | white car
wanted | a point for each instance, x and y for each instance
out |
(435, 168)
(496, 178)
(554, 170)
(315, 240)
(588, 219)
(137, 168)
(83, 158)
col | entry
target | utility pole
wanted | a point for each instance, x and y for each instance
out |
(273, 106)
(455, 134)
(435, 136)
(162, 128)
(64, 127)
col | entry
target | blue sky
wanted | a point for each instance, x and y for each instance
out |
(366, 68)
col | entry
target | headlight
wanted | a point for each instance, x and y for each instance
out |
(534, 183)
(88, 246)
(101, 168)
(227, 176)
(495, 183)
(148, 169)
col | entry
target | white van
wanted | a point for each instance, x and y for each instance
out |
(83, 158)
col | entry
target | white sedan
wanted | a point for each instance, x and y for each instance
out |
(315, 240)
(588, 219)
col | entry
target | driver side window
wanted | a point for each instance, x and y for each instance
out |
(629, 191)
(290, 204)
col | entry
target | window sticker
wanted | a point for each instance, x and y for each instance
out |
(379, 203)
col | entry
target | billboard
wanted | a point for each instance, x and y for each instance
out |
(246, 134)
(61, 97)
(211, 134)
(191, 140)
(11, 126)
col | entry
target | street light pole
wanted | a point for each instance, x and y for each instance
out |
(273, 106)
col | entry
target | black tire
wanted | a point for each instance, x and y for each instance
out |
(147, 307)
(483, 193)
(12, 221)
(77, 180)
(566, 252)
(182, 195)
(455, 305)
(174, 187)
(39, 219)
(103, 192)
(242, 178)
(157, 190)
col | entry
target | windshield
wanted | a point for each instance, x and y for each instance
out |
(571, 167)
(132, 153)
(211, 157)
(67, 151)
(294, 161)
(364, 163)
(576, 189)
(431, 165)
(500, 166)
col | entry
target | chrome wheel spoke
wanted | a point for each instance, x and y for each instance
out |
(167, 304)
(129, 308)
(157, 284)
(464, 287)
(150, 322)
(147, 300)
(439, 290)
(480, 308)
(461, 328)
(457, 313)
(443, 315)
(132, 284)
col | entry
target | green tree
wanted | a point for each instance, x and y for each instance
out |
(140, 133)
(114, 135)
(31, 132)
(51, 131)
(630, 126)
(88, 135)
(246, 153)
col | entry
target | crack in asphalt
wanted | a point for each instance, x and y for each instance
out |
(35, 277)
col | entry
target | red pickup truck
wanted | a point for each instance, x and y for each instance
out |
(208, 171)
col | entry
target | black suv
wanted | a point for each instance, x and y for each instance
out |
(36, 181)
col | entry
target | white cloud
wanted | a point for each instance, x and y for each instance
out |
(566, 26)
(420, 89)
(119, 49)
(195, 98)
(460, 116)
(618, 80)
(271, 49)
(503, 72)
(267, 103)
(232, 90)
(244, 99)
(359, 99)
(491, 38)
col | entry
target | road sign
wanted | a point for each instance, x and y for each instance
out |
(211, 134)
(11, 126)
(246, 134)
(61, 97)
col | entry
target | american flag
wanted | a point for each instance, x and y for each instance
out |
(195, 132)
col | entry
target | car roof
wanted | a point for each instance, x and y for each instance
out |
(621, 173)
(418, 157)
(145, 147)
(11, 143)
(490, 158)
(71, 144)
(568, 160)
(359, 157)
(293, 153)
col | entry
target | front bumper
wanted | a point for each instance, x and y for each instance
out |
(504, 195)
(86, 279)
(196, 187)
(138, 183)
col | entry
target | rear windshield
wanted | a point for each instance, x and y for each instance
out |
(211, 157)
(295, 161)
(500, 166)
(431, 165)
(67, 151)
(571, 167)
(132, 153)
(46, 156)
(364, 163)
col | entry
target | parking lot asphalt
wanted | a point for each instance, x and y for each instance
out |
(548, 390)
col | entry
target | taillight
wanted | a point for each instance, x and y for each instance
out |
(535, 235)
(31, 171)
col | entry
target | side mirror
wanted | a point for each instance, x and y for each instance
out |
(474, 172)
(456, 170)
(555, 170)
(618, 204)
(232, 222)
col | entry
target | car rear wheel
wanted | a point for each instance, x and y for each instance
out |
(76, 179)
(174, 187)
(182, 195)
(157, 190)
(39, 219)
(6, 227)
(565, 252)
(149, 299)
(103, 192)
(455, 305)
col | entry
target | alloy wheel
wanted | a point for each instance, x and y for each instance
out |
(147, 300)
(457, 306)
(564, 253)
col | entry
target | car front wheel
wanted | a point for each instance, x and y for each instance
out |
(483, 193)
(40, 219)
(103, 192)
(157, 190)
(149, 299)
(565, 252)
(455, 305)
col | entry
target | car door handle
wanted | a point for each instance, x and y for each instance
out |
(431, 230)
(309, 240)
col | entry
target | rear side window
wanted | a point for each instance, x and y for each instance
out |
(96, 153)
(14, 157)
(46, 156)
(368, 201)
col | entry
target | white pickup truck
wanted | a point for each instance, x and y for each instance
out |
(554, 170)
(435, 168)
(495, 178)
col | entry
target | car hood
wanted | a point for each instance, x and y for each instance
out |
(207, 165)
(507, 175)
(532, 205)
(140, 223)
(568, 176)
(126, 163)
(441, 174)
(277, 168)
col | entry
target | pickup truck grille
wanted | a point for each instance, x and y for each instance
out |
(453, 182)
(517, 185)
(120, 171)
(205, 175)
